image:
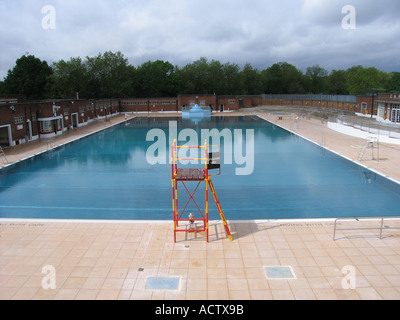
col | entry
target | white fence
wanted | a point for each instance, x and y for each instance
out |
(370, 126)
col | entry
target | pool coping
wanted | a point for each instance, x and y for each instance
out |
(211, 222)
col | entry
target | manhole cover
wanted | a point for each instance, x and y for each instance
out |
(279, 273)
(162, 284)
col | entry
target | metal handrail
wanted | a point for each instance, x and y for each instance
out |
(381, 228)
(3, 156)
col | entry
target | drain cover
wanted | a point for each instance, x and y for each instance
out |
(279, 273)
(162, 284)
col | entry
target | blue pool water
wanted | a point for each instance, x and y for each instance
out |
(107, 176)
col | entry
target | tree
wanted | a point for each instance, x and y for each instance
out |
(108, 76)
(156, 79)
(337, 82)
(215, 77)
(393, 83)
(283, 78)
(232, 84)
(361, 81)
(317, 79)
(195, 77)
(69, 78)
(250, 80)
(30, 76)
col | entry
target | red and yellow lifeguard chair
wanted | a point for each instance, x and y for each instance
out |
(184, 176)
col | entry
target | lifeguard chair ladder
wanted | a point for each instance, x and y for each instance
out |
(194, 175)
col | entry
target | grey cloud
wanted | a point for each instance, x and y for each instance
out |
(302, 32)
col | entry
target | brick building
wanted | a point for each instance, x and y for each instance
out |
(13, 115)
(149, 105)
(338, 102)
(22, 121)
(214, 102)
(383, 105)
(182, 102)
(389, 107)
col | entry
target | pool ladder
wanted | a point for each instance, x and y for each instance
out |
(50, 144)
(371, 143)
(322, 145)
(3, 156)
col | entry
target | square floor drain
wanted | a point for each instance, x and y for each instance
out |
(280, 273)
(162, 284)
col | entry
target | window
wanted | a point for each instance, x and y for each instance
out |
(8, 101)
(396, 113)
(19, 120)
(46, 127)
(364, 107)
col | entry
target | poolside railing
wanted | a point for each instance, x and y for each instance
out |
(380, 228)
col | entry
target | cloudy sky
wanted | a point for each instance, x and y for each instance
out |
(301, 32)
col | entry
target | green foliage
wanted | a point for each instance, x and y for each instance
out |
(317, 79)
(30, 76)
(337, 82)
(202, 77)
(69, 78)
(393, 82)
(156, 79)
(250, 81)
(361, 81)
(109, 75)
(283, 78)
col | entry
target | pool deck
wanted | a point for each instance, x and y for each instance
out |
(107, 261)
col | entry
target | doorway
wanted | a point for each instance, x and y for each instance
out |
(396, 114)
(5, 136)
(29, 130)
(364, 108)
(74, 119)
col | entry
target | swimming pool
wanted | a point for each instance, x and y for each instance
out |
(107, 176)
